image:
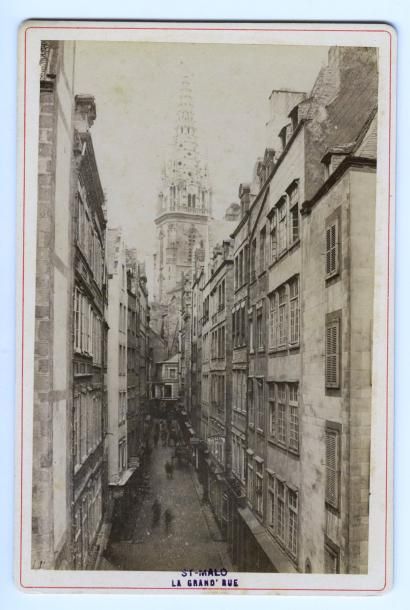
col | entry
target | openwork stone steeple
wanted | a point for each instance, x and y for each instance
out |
(185, 184)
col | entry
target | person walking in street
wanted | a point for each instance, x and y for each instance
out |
(156, 438)
(168, 517)
(156, 512)
(169, 469)
(164, 435)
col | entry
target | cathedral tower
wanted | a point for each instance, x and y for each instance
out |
(184, 207)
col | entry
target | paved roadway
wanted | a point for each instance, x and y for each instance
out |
(193, 541)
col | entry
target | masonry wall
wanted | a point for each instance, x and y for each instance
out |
(362, 232)
(52, 396)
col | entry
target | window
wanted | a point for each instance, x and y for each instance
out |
(272, 409)
(251, 483)
(292, 521)
(262, 249)
(253, 260)
(282, 301)
(283, 511)
(251, 332)
(272, 321)
(77, 429)
(332, 558)
(259, 328)
(271, 502)
(294, 310)
(281, 211)
(260, 422)
(332, 249)
(77, 320)
(236, 273)
(251, 406)
(281, 414)
(332, 437)
(293, 193)
(273, 237)
(259, 486)
(332, 354)
(293, 419)
(240, 271)
(280, 495)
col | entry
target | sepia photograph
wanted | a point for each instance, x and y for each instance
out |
(206, 300)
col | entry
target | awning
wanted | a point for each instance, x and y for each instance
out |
(272, 550)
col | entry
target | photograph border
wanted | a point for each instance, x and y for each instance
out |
(389, 323)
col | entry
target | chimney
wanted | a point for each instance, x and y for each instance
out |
(244, 197)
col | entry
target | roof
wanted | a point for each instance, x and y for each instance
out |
(172, 360)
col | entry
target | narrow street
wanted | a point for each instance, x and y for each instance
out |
(192, 541)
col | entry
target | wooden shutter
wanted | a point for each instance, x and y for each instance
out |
(331, 249)
(332, 467)
(332, 355)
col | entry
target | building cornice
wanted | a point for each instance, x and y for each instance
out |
(349, 162)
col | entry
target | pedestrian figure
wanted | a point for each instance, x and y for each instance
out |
(169, 469)
(164, 437)
(168, 517)
(156, 438)
(156, 512)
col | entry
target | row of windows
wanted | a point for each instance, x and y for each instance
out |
(87, 519)
(284, 315)
(87, 328)
(238, 457)
(283, 513)
(218, 343)
(241, 268)
(88, 241)
(239, 385)
(87, 425)
(122, 407)
(218, 391)
(283, 401)
(239, 326)
(122, 360)
(205, 389)
(122, 319)
(216, 444)
(214, 303)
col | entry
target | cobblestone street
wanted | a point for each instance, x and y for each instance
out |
(193, 540)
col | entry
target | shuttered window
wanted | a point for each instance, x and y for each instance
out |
(331, 560)
(332, 249)
(332, 355)
(332, 466)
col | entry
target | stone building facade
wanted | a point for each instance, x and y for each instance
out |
(51, 508)
(69, 388)
(133, 419)
(220, 380)
(301, 331)
(90, 302)
(183, 212)
(119, 471)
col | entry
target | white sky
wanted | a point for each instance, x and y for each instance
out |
(136, 89)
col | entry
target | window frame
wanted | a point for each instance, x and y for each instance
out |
(333, 429)
(333, 322)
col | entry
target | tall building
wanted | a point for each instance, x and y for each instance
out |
(117, 436)
(183, 213)
(69, 388)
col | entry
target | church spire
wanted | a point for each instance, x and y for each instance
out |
(185, 182)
